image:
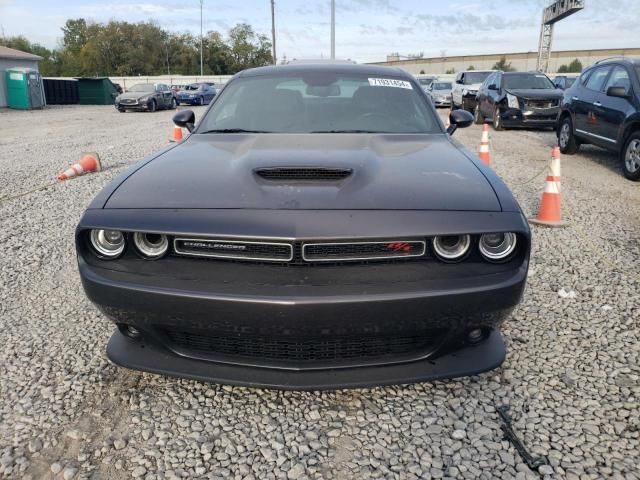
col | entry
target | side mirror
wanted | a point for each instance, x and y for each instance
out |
(493, 86)
(185, 119)
(459, 119)
(619, 92)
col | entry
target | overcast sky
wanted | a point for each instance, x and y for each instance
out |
(366, 30)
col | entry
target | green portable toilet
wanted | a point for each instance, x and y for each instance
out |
(24, 88)
(96, 91)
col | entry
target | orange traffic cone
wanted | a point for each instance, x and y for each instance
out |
(549, 213)
(90, 162)
(483, 150)
(177, 134)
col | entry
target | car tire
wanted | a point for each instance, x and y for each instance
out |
(152, 106)
(631, 157)
(121, 110)
(566, 139)
(478, 118)
(497, 120)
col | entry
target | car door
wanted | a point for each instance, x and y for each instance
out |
(456, 94)
(614, 110)
(167, 95)
(483, 93)
(209, 93)
(587, 101)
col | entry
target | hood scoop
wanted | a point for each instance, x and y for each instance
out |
(303, 174)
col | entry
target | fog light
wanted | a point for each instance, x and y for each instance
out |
(107, 243)
(151, 245)
(475, 335)
(451, 248)
(497, 247)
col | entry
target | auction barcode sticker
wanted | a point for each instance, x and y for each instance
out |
(390, 82)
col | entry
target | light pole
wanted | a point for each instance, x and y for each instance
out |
(273, 30)
(201, 69)
(333, 29)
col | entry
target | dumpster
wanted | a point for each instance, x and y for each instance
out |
(24, 88)
(96, 91)
(61, 91)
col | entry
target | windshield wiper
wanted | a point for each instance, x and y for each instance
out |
(234, 130)
(348, 131)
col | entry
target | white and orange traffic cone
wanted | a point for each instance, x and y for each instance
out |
(177, 134)
(90, 162)
(483, 150)
(549, 213)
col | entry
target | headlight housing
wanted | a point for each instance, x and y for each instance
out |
(151, 245)
(497, 247)
(108, 244)
(512, 101)
(146, 98)
(451, 248)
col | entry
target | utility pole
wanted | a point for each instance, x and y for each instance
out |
(273, 31)
(201, 42)
(556, 11)
(333, 29)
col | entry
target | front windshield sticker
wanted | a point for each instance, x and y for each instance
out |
(389, 82)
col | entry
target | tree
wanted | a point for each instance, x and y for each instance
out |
(471, 67)
(574, 67)
(450, 71)
(49, 64)
(248, 49)
(421, 72)
(503, 65)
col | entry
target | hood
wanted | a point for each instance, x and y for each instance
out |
(135, 95)
(473, 86)
(387, 172)
(536, 94)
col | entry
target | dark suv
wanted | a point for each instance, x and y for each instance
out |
(603, 108)
(518, 99)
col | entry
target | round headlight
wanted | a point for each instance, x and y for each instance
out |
(107, 243)
(151, 245)
(451, 248)
(497, 247)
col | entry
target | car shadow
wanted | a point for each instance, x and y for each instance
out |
(600, 156)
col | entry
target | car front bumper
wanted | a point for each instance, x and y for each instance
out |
(213, 301)
(530, 118)
(133, 106)
(188, 101)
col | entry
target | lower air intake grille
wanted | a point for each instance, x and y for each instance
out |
(330, 350)
(233, 249)
(297, 174)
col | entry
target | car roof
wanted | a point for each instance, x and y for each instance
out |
(625, 60)
(344, 68)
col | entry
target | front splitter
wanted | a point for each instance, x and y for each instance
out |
(148, 357)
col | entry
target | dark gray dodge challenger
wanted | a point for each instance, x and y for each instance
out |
(319, 228)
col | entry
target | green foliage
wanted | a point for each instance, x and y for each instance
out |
(421, 72)
(450, 71)
(471, 67)
(574, 67)
(120, 48)
(503, 65)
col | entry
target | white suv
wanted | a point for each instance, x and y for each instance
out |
(463, 94)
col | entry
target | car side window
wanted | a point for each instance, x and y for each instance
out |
(597, 78)
(619, 78)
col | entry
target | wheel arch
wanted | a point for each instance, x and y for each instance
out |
(632, 125)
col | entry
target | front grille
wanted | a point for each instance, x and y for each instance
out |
(300, 174)
(312, 352)
(542, 103)
(129, 101)
(234, 249)
(331, 252)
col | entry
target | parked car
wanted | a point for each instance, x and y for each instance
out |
(425, 82)
(319, 228)
(196, 94)
(465, 87)
(603, 108)
(440, 93)
(147, 97)
(564, 81)
(518, 99)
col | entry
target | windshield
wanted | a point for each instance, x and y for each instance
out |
(475, 77)
(425, 81)
(527, 81)
(442, 86)
(142, 87)
(320, 102)
(570, 81)
(194, 86)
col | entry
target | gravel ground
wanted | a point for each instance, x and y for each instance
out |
(571, 379)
